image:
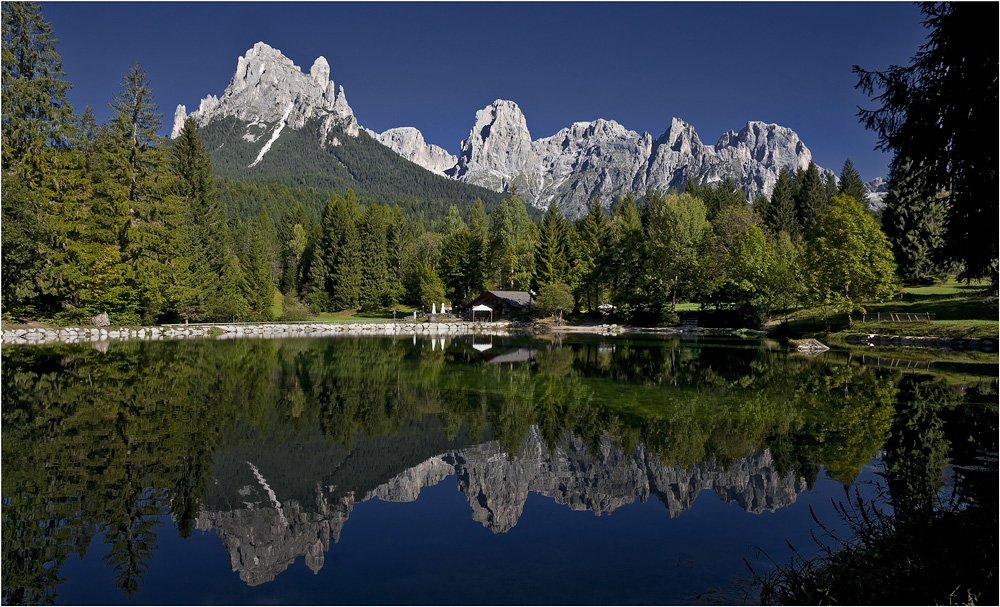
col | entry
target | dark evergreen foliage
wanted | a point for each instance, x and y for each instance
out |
(851, 184)
(934, 115)
(916, 229)
(780, 215)
(811, 198)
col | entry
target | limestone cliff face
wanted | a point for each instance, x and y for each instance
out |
(265, 535)
(498, 149)
(270, 92)
(603, 158)
(409, 143)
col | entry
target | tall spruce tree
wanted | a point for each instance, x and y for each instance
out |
(257, 286)
(452, 222)
(551, 253)
(624, 255)
(374, 289)
(45, 258)
(512, 238)
(203, 219)
(780, 214)
(593, 229)
(460, 267)
(342, 251)
(916, 229)
(851, 184)
(293, 239)
(139, 208)
(810, 203)
(36, 115)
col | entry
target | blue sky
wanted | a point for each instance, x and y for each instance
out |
(715, 65)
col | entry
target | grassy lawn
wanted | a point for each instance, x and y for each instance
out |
(402, 313)
(960, 311)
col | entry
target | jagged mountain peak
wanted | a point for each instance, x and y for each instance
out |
(268, 91)
(500, 142)
(680, 137)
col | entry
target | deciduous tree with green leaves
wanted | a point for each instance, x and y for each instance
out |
(848, 260)
(678, 233)
(512, 238)
(555, 298)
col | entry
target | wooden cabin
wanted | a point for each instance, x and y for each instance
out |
(505, 302)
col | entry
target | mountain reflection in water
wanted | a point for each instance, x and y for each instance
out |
(271, 446)
(263, 537)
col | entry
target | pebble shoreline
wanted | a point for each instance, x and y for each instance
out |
(38, 335)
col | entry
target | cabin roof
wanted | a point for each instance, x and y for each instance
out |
(517, 299)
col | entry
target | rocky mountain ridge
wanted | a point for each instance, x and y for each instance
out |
(602, 158)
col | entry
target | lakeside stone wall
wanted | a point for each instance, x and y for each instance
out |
(258, 330)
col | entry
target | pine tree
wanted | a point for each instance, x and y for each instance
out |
(593, 233)
(138, 207)
(780, 215)
(341, 249)
(551, 254)
(232, 303)
(479, 226)
(257, 287)
(37, 118)
(293, 238)
(45, 257)
(374, 283)
(315, 291)
(933, 116)
(399, 235)
(811, 200)
(204, 221)
(830, 185)
(624, 254)
(452, 222)
(269, 240)
(851, 184)
(460, 268)
(916, 229)
(512, 238)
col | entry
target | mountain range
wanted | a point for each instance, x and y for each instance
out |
(270, 100)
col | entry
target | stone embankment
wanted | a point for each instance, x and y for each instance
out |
(907, 341)
(260, 330)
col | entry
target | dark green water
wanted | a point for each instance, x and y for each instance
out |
(401, 471)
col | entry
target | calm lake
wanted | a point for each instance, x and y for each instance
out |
(566, 470)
